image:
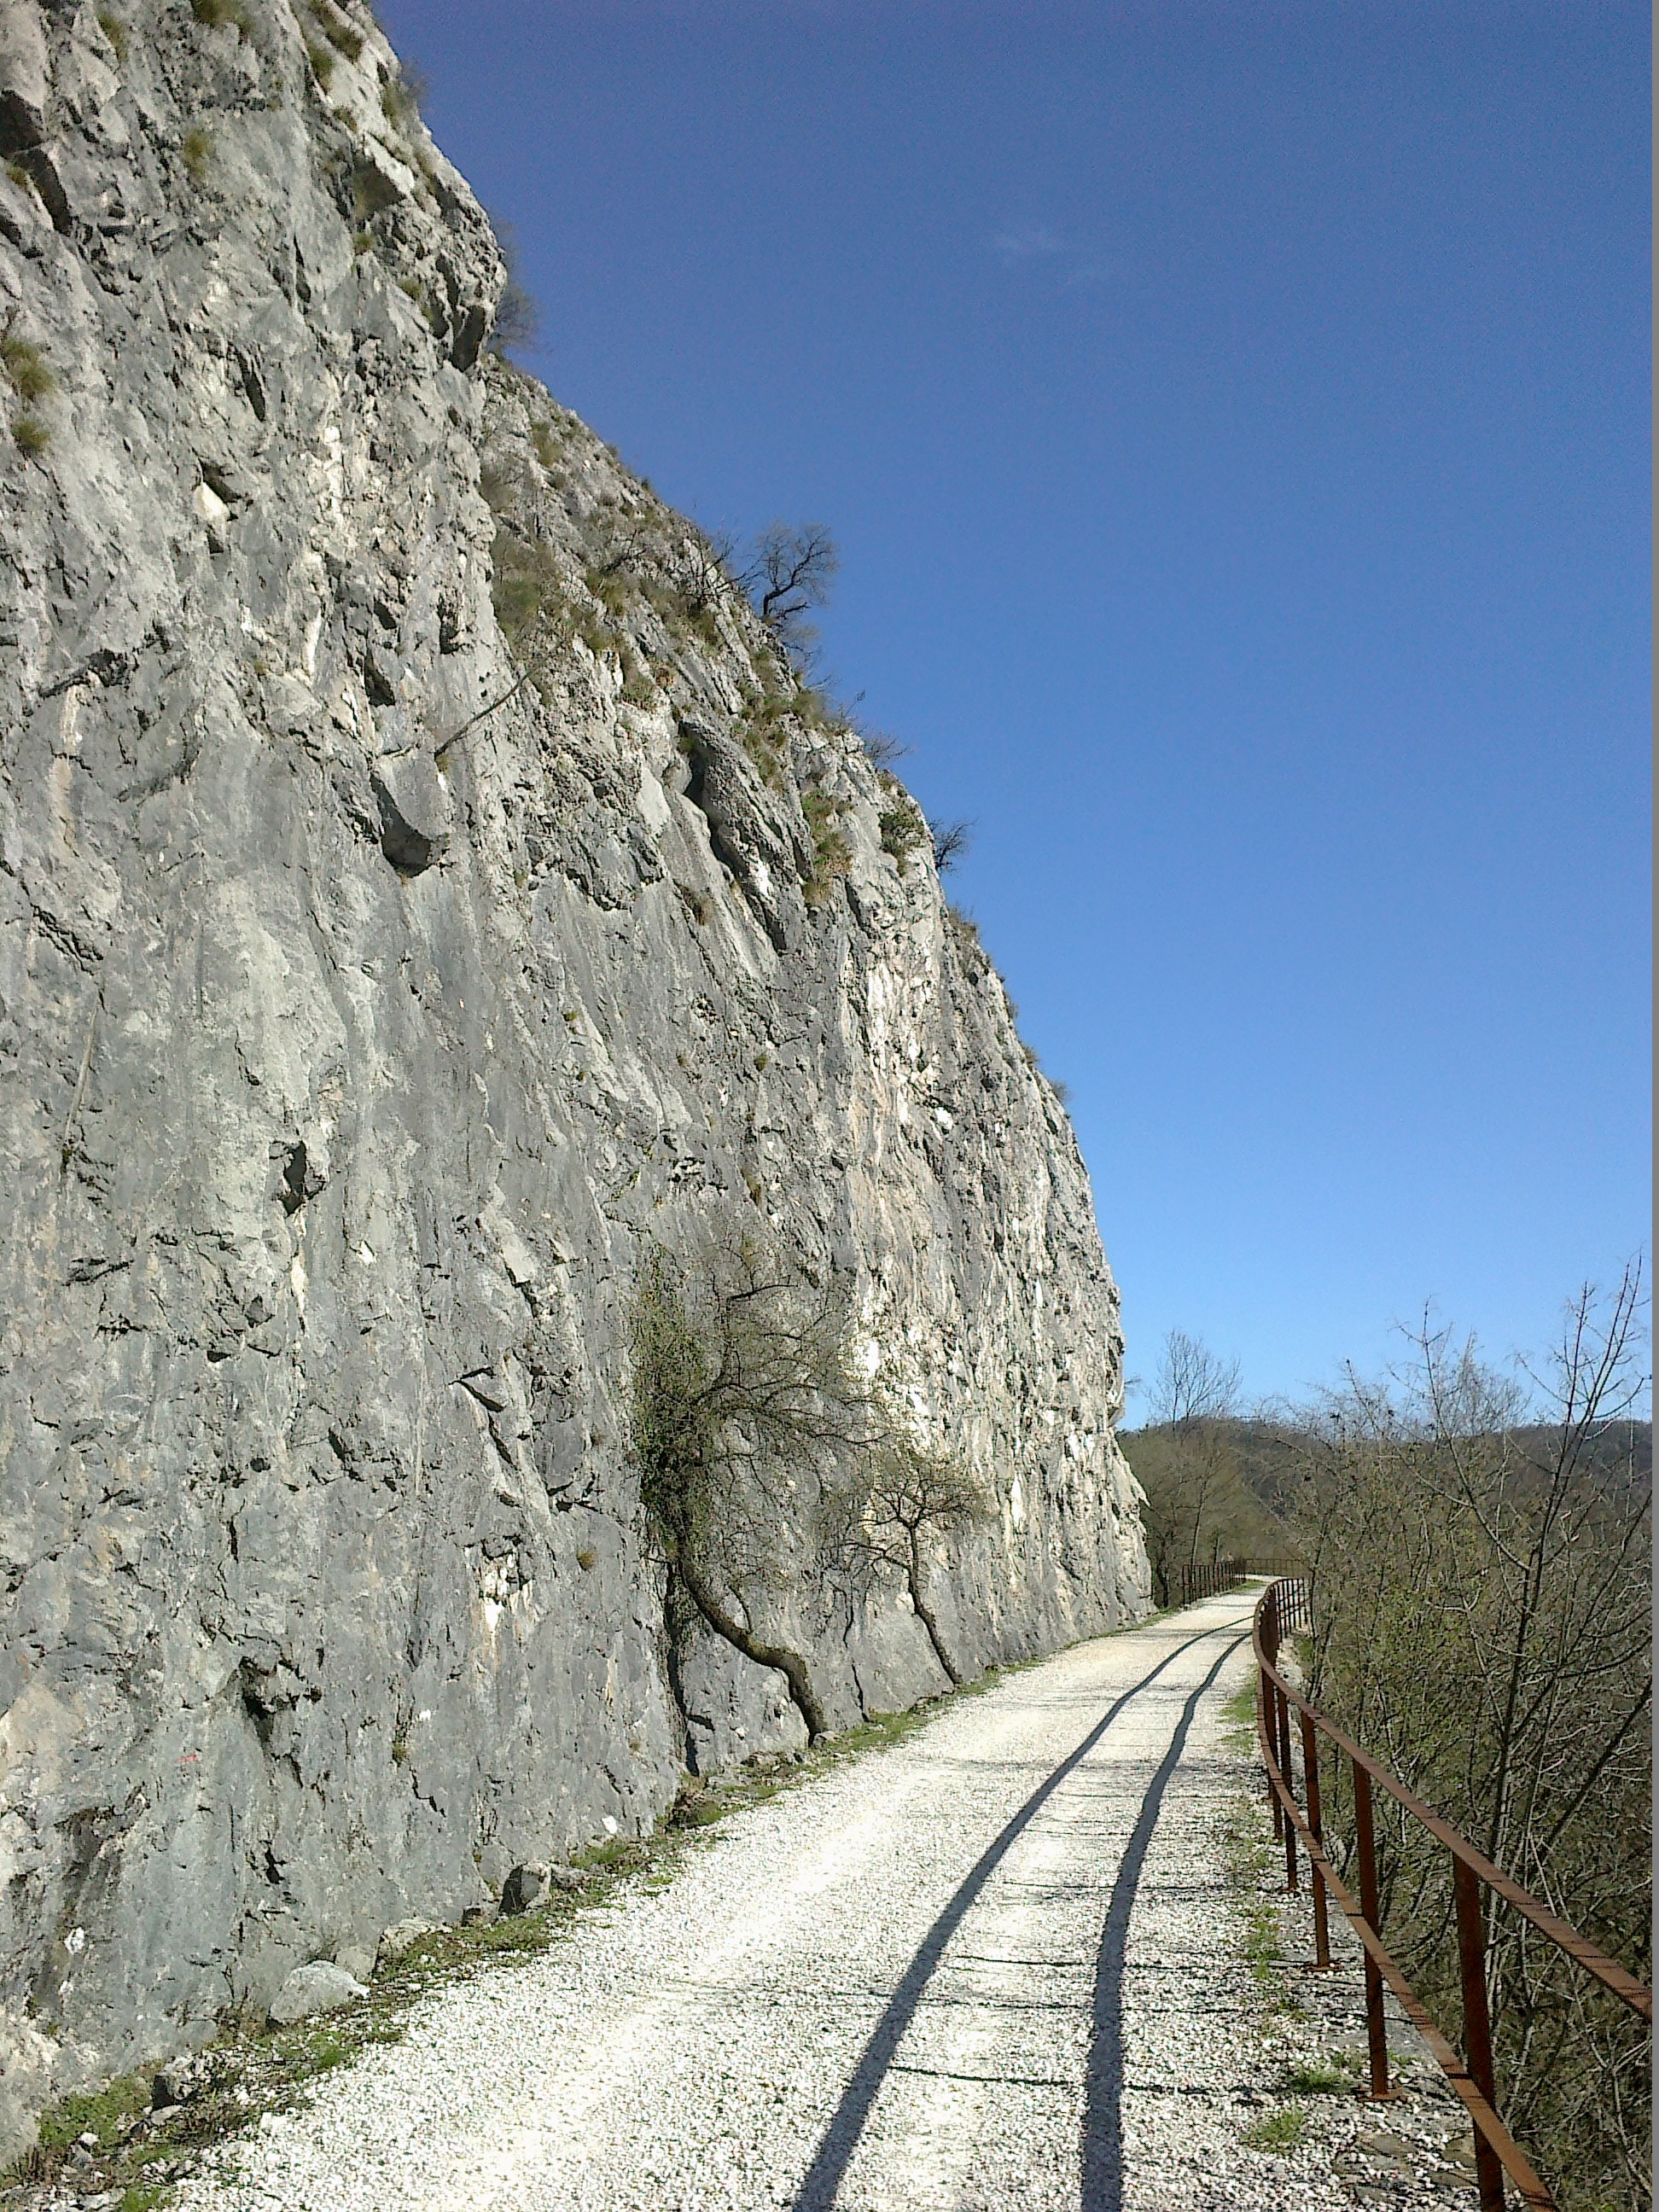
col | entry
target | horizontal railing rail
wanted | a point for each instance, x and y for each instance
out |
(1285, 1604)
(1195, 1579)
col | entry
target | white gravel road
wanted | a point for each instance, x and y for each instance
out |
(995, 1964)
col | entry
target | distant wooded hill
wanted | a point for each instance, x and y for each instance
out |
(1232, 1486)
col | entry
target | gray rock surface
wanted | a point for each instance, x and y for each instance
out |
(355, 1029)
(525, 1887)
(320, 1987)
(400, 1937)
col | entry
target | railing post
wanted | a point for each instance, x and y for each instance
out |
(1310, 1775)
(1287, 1770)
(1364, 1834)
(1477, 2023)
(1264, 1705)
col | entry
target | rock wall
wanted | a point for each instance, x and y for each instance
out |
(355, 1029)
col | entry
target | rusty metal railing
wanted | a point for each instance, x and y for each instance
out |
(1284, 1606)
(1190, 1581)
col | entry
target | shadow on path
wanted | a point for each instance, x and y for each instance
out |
(1103, 2116)
(824, 2178)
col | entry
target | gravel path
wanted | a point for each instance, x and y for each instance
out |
(998, 1963)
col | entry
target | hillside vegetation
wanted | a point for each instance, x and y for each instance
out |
(1480, 1545)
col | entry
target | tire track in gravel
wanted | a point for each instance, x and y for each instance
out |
(1103, 2116)
(829, 2168)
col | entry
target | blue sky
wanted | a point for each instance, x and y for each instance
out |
(1233, 419)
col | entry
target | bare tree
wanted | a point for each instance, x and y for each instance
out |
(1193, 1383)
(883, 747)
(792, 570)
(1198, 1503)
(909, 1502)
(517, 317)
(1480, 1543)
(740, 1397)
(951, 842)
(702, 569)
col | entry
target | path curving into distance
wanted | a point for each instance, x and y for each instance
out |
(942, 1975)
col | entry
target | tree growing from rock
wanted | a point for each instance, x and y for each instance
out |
(743, 1408)
(909, 1501)
(791, 572)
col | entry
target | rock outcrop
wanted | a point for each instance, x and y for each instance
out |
(425, 878)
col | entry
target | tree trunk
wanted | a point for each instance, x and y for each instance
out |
(925, 1615)
(675, 1617)
(789, 1664)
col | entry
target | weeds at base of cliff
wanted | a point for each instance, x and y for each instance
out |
(140, 2151)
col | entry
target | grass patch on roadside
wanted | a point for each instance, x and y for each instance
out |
(1321, 2077)
(1278, 2133)
(1238, 1716)
(1263, 1946)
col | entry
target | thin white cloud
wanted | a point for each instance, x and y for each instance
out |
(1031, 243)
(1065, 261)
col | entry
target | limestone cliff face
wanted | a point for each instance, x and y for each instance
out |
(345, 1061)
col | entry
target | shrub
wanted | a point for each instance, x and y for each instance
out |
(1482, 1616)
(831, 855)
(528, 593)
(196, 150)
(638, 689)
(517, 317)
(26, 366)
(496, 487)
(115, 31)
(31, 434)
(213, 14)
(902, 829)
(763, 732)
(763, 743)
(322, 63)
(609, 588)
(400, 100)
(340, 34)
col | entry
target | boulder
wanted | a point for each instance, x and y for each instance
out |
(320, 1987)
(525, 1887)
(401, 1936)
